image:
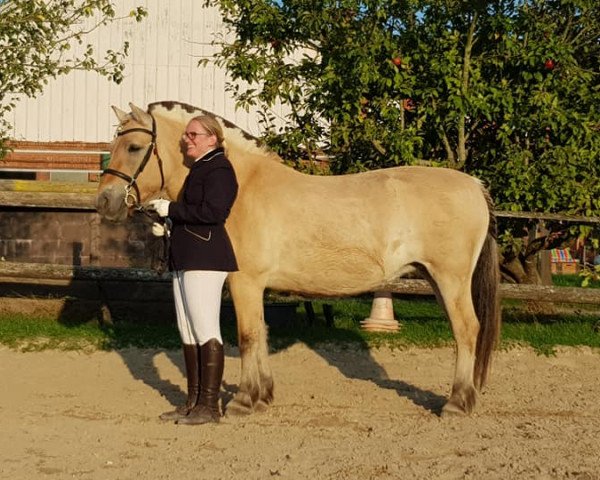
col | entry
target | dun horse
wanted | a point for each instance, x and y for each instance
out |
(326, 235)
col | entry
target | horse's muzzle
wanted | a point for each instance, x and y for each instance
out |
(110, 204)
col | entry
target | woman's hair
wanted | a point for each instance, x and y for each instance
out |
(211, 126)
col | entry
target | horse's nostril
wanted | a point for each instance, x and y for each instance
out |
(101, 202)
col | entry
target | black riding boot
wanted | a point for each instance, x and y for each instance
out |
(191, 356)
(212, 360)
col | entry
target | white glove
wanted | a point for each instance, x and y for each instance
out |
(158, 230)
(160, 206)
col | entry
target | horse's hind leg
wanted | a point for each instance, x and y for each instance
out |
(455, 292)
(256, 381)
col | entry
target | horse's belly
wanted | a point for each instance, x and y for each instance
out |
(340, 277)
(323, 286)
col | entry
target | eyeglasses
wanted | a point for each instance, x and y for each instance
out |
(192, 135)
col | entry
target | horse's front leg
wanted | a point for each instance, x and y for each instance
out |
(256, 382)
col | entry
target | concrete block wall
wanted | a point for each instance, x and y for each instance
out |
(75, 238)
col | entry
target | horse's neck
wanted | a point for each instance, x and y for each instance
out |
(176, 179)
(245, 166)
(250, 163)
(247, 160)
(173, 166)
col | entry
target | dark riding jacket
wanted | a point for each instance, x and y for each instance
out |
(199, 240)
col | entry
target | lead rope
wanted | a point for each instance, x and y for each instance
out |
(163, 255)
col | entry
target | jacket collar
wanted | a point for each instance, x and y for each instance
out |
(208, 156)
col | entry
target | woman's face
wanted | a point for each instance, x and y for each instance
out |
(197, 140)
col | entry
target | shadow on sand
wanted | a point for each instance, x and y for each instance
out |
(356, 362)
(152, 328)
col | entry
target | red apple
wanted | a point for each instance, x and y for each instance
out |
(397, 61)
(549, 64)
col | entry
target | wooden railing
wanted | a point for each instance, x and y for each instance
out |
(27, 194)
(65, 275)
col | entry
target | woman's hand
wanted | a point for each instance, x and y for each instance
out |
(160, 206)
(158, 230)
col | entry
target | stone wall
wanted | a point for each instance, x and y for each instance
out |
(77, 237)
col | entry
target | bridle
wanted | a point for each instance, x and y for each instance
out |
(131, 198)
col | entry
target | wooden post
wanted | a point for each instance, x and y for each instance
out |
(545, 266)
(310, 313)
(95, 240)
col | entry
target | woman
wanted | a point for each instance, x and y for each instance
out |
(201, 255)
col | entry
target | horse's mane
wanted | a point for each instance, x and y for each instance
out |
(235, 137)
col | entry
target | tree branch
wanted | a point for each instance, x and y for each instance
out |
(462, 140)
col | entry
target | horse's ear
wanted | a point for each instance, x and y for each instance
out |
(121, 115)
(140, 115)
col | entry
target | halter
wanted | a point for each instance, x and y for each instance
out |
(132, 199)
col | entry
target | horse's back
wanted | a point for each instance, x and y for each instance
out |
(380, 202)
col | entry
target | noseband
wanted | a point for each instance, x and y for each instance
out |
(132, 199)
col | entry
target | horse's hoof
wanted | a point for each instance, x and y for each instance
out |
(261, 406)
(461, 403)
(239, 406)
(238, 409)
(452, 410)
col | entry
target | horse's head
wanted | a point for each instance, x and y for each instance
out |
(135, 172)
(146, 163)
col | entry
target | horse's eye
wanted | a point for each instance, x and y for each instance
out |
(134, 148)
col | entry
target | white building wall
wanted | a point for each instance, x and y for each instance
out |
(162, 65)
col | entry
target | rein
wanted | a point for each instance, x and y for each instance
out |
(131, 198)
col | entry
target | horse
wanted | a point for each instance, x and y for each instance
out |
(325, 236)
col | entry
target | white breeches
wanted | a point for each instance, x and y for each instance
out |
(198, 304)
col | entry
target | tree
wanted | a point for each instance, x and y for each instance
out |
(506, 90)
(36, 40)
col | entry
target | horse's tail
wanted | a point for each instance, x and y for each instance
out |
(485, 287)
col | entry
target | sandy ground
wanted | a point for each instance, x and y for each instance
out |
(337, 415)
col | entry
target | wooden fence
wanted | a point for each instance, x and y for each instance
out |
(20, 195)
(73, 277)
